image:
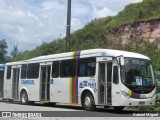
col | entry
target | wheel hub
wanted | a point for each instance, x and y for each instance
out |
(23, 98)
(87, 102)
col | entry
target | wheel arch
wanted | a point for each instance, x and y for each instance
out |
(84, 91)
(23, 90)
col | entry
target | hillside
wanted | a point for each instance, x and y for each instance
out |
(146, 10)
(110, 32)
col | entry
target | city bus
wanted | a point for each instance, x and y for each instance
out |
(1, 79)
(90, 78)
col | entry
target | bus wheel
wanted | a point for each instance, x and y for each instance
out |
(88, 102)
(24, 98)
(118, 108)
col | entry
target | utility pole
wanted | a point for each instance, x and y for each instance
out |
(68, 26)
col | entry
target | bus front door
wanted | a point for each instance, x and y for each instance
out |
(45, 83)
(105, 75)
(15, 87)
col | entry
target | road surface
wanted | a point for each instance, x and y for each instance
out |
(60, 110)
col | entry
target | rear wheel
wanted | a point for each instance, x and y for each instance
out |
(24, 98)
(88, 102)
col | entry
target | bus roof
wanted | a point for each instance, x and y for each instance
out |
(90, 52)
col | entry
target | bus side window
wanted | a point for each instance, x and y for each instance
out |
(68, 68)
(82, 69)
(115, 74)
(9, 72)
(91, 69)
(86, 67)
(55, 69)
(24, 71)
(33, 70)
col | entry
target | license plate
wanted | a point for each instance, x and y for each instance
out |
(141, 102)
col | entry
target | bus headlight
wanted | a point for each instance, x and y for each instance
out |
(125, 94)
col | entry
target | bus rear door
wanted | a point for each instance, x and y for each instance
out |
(15, 85)
(45, 82)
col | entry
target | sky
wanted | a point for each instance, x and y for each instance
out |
(29, 23)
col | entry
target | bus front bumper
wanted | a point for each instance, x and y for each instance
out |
(137, 102)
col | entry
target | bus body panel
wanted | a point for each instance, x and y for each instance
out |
(7, 91)
(59, 94)
(32, 88)
(116, 98)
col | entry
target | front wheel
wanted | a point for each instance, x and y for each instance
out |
(24, 98)
(88, 102)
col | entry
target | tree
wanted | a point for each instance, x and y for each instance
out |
(15, 52)
(3, 52)
(8, 59)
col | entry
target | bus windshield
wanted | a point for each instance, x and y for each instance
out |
(138, 72)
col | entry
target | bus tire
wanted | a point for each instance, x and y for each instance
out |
(24, 98)
(88, 102)
(118, 108)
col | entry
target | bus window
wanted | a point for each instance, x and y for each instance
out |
(24, 71)
(68, 68)
(55, 69)
(33, 70)
(115, 75)
(86, 67)
(8, 72)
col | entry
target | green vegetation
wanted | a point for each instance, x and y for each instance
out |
(3, 52)
(146, 10)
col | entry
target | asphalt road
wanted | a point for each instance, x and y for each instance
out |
(59, 110)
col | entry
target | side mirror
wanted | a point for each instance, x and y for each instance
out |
(122, 61)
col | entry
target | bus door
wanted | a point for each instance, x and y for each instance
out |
(45, 83)
(105, 74)
(15, 80)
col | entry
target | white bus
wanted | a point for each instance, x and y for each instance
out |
(95, 77)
